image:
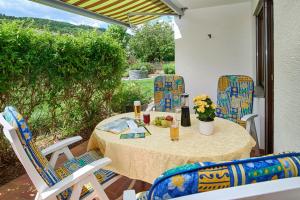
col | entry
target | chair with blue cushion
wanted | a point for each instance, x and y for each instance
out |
(78, 178)
(204, 180)
(235, 101)
(167, 92)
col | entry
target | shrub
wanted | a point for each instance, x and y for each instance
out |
(169, 68)
(144, 68)
(126, 94)
(62, 83)
(142, 65)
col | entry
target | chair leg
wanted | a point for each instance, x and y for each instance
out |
(76, 192)
(98, 188)
(253, 133)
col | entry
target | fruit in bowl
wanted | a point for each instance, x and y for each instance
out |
(169, 118)
(163, 121)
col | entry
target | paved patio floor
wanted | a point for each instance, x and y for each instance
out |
(22, 188)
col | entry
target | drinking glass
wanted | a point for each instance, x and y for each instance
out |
(146, 117)
(174, 131)
(137, 110)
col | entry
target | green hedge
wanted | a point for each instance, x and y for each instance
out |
(63, 83)
(169, 68)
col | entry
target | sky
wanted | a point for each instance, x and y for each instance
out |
(26, 8)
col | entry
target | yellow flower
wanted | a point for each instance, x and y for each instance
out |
(201, 109)
(214, 106)
(201, 103)
(203, 97)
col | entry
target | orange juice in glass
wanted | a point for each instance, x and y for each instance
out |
(174, 131)
(137, 110)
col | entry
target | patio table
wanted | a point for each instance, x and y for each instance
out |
(146, 158)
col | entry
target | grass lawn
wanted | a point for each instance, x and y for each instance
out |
(146, 85)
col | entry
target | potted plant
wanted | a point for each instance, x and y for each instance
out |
(205, 111)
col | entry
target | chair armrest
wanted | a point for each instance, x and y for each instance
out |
(129, 195)
(74, 178)
(249, 117)
(60, 145)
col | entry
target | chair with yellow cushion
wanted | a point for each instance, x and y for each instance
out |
(192, 181)
(78, 178)
(235, 101)
(167, 92)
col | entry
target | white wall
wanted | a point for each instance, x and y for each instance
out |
(231, 50)
(201, 60)
(254, 5)
(286, 75)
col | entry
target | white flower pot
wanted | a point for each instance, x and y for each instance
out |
(206, 128)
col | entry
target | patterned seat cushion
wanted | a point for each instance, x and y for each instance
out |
(72, 165)
(42, 165)
(167, 91)
(235, 97)
(203, 177)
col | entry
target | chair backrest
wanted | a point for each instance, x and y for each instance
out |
(203, 177)
(235, 97)
(20, 138)
(167, 92)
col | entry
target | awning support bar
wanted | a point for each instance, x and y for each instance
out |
(171, 5)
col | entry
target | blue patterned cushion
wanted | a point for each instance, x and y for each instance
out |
(167, 92)
(72, 165)
(41, 164)
(202, 177)
(235, 97)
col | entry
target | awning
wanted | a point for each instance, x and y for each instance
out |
(124, 12)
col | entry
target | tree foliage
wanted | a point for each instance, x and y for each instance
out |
(119, 33)
(51, 25)
(153, 42)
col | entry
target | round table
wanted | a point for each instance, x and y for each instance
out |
(146, 158)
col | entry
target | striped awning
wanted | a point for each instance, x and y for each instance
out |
(125, 12)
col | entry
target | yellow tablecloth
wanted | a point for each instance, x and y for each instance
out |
(145, 159)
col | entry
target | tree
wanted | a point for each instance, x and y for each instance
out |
(153, 42)
(51, 25)
(119, 34)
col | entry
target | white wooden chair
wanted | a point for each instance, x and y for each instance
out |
(77, 180)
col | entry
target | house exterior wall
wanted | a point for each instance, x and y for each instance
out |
(286, 75)
(231, 50)
(200, 60)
